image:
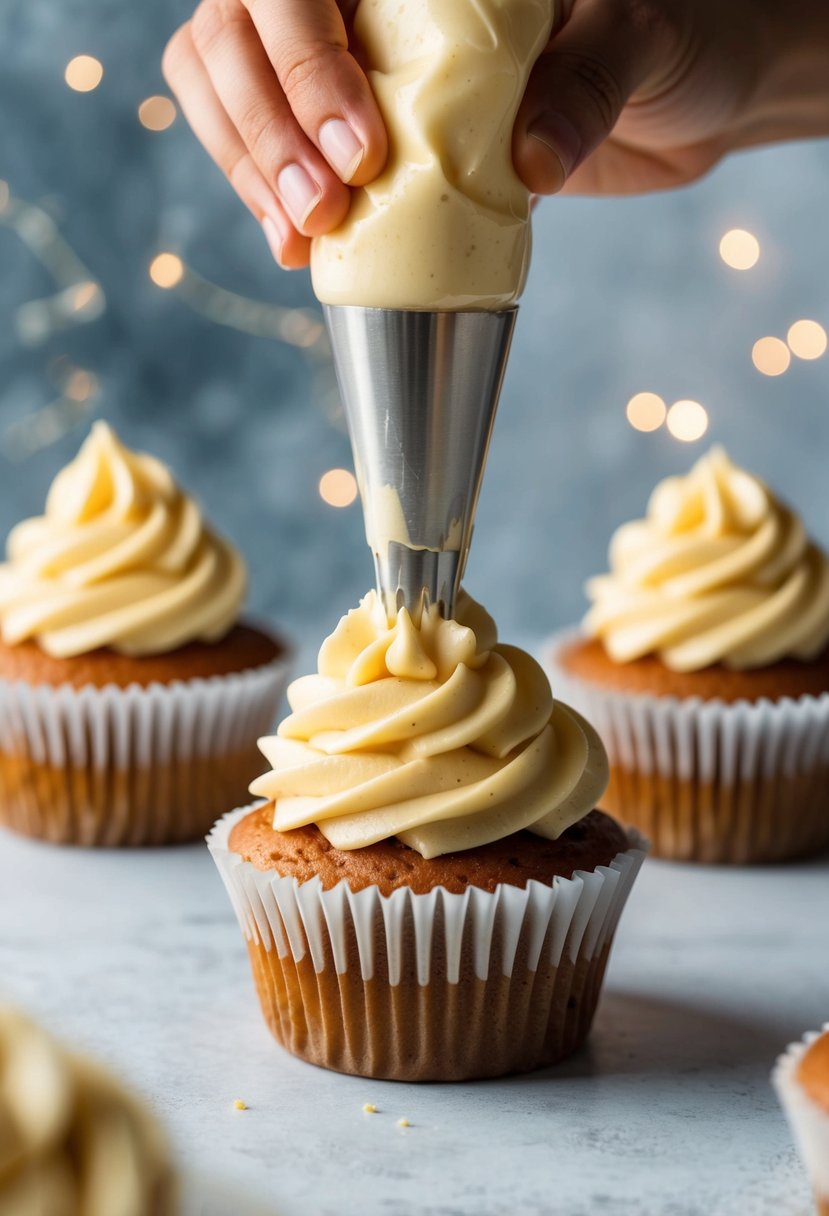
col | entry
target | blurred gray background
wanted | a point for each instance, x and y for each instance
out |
(624, 296)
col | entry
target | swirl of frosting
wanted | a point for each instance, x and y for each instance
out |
(121, 558)
(434, 734)
(72, 1143)
(719, 571)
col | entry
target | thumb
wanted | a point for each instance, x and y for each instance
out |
(579, 87)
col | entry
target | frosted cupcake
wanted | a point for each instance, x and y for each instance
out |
(428, 892)
(705, 667)
(129, 689)
(801, 1079)
(74, 1143)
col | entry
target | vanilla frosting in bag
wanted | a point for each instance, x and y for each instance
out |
(72, 1142)
(121, 558)
(435, 734)
(446, 224)
(719, 571)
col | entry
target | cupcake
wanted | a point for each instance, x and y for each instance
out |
(74, 1143)
(705, 668)
(801, 1079)
(129, 688)
(428, 892)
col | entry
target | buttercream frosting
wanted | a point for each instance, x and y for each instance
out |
(719, 571)
(446, 224)
(435, 734)
(120, 558)
(72, 1142)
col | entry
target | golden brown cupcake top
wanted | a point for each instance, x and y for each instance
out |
(719, 571)
(122, 558)
(431, 732)
(813, 1070)
(515, 860)
(72, 1142)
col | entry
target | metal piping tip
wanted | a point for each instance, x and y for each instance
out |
(420, 391)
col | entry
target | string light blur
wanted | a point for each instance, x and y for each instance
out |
(157, 113)
(166, 270)
(84, 73)
(687, 420)
(770, 356)
(338, 488)
(739, 249)
(646, 411)
(807, 339)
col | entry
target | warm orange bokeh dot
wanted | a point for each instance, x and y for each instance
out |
(770, 356)
(807, 339)
(687, 420)
(166, 270)
(84, 73)
(338, 488)
(157, 113)
(646, 411)
(739, 249)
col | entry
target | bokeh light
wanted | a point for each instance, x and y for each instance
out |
(807, 339)
(739, 249)
(157, 113)
(166, 270)
(338, 487)
(84, 73)
(646, 412)
(83, 294)
(770, 356)
(687, 420)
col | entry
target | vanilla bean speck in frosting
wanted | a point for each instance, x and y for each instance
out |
(72, 1142)
(433, 733)
(121, 558)
(719, 571)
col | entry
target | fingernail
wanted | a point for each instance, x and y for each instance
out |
(559, 135)
(341, 147)
(299, 192)
(275, 237)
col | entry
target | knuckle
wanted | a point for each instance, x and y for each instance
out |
(601, 85)
(301, 69)
(210, 22)
(262, 131)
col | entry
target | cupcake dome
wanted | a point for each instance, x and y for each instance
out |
(129, 689)
(801, 1079)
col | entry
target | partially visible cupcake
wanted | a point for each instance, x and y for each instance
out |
(74, 1142)
(129, 688)
(705, 668)
(801, 1079)
(428, 893)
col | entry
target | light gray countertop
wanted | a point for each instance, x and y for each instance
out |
(137, 957)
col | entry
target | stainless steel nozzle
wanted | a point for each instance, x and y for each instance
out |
(420, 391)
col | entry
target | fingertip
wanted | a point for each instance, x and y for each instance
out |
(291, 250)
(538, 165)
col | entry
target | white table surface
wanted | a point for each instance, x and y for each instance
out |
(137, 957)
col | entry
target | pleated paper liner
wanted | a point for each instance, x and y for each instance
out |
(808, 1121)
(709, 781)
(437, 987)
(132, 766)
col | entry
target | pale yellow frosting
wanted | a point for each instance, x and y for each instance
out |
(121, 558)
(446, 224)
(434, 734)
(72, 1143)
(719, 571)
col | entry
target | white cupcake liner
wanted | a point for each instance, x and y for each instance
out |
(765, 765)
(112, 765)
(433, 942)
(808, 1121)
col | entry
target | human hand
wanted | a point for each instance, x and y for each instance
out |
(630, 96)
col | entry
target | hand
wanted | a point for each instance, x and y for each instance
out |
(271, 91)
(630, 96)
(638, 95)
